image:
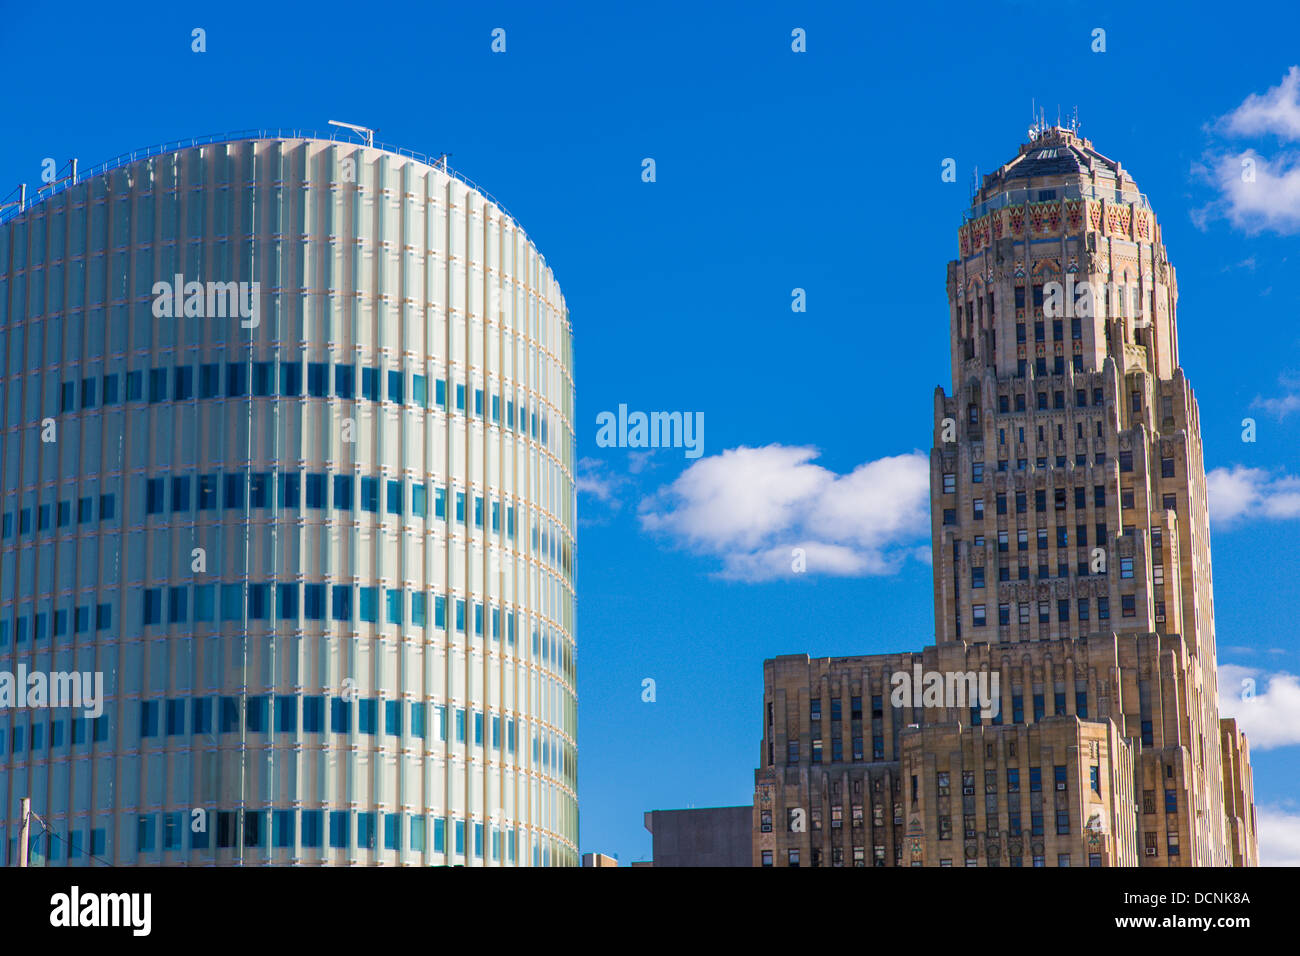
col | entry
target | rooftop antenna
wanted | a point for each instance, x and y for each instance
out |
(20, 202)
(366, 133)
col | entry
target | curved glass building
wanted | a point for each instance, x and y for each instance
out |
(288, 459)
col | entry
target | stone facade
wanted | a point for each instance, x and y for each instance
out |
(1071, 556)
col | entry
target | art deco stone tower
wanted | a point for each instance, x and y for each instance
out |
(1071, 560)
(1068, 489)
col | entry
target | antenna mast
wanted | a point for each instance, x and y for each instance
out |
(366, 133)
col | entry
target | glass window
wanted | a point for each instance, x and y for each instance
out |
(370, 494)
(368, 605)
(345, 382)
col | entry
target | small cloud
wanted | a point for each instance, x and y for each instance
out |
(1285, 404)
(1276, 112)
(1278, 833)
(1240, 493)
(752, 507)
(1278, 407)
(596, 481)
(638, 460)
(1270, 713)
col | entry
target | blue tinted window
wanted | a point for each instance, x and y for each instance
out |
(315, 491)
(286, 714)
(345, 382)
(311, 828)
(368, 716)
(256, 715)
(370, 494)
(313, 602)
(291, 380)
(365, 831)
(343, 492)
(368, 606)
(340, 716)
(340, 835)
(313, 715)
(341, 603)
(318, 378)
(282, 834)
(286, 600)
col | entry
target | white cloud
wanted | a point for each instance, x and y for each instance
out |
(1270, 714)
(1278, 407)
(1285, 404)
(1239, 493)
(1277, 111)
(1256, 193)
(638, 460)
(752, 507)
(596, 481)
(1279, 836)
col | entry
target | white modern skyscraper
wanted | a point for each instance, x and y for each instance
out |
(315, 529)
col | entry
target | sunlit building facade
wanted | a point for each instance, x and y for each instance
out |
(314, 527)
(1072, 576)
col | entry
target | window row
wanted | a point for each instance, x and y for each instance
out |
(181, 831)
(82, 731)
(58, 514)
(259, 379)
(181, 604)
(83, 618)
(238, 490)
(291, 714)
(1082, 607)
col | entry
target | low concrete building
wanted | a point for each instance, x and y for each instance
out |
(710, 836)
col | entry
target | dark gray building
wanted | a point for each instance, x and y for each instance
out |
(711, 836)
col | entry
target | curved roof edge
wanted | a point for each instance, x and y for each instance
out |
(50, 190)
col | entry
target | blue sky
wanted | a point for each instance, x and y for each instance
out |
(775, 170)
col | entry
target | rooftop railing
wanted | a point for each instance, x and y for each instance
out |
(11, 209)
(1014, 197)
